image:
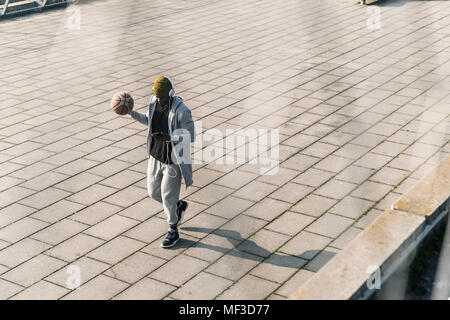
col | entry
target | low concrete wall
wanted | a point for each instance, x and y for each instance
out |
(385, 242)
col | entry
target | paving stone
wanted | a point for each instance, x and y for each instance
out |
(44, 198)
(240, 227)
(236, 179)
(234, 264)
(95, 213)
(203, 286)
(278, 267)
(332, 163)
(389, 176)
(388, 148)
(178, 270)
(205, 176)
(263, 243)
(373, 161)
(57, 211)
(111, 227)
(75, 247)
(99, 288)
(305, 245)
(291, 192)
(142, 210)
(255, 191)
(92, 194)
(33, 270)
(59, 231)
(76, 166)
(300, 162)
(44, 181)
(292, 285)
(134, 267)
(313, 205)
(313, 177)
(371, 191)
(229, 207)
(368, 218)
(109, 168)
(335, 189)
(14, 213)
(321, 259)
(116, 250)
(210, 194)
(278, 176)
(355, 174)
(88, 268)
(290, 223)
(148, 230)
(330, 225)
(212, 247)
(249, 287)
(146, 289)
(127, 196)
(21, 229)
(42, 290)
(21, 251)
(13, 195)
(78, 182)
(351, 207)
(267, 209)
(8, 289)
(345, 238)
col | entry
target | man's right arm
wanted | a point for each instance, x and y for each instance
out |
(142, 118)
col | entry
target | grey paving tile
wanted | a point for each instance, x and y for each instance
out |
(278, 267)
(116, 250)
(204, 286)
(135, 267)
(234, 264)
(249, 287)
(33, 270)
(59, 231)
(42, 290)
(305, 245)
(179, 270)
(88, 269)
(99, 288)
(294, 283)
(146, 289)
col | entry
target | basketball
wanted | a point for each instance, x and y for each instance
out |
(122, 103)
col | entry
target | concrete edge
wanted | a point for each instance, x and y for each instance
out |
(387, 241)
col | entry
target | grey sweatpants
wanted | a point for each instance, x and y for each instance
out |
(163, 185)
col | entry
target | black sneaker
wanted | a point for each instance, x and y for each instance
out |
(171, 238)
(181, 209)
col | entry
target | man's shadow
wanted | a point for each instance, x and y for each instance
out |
(247, 249)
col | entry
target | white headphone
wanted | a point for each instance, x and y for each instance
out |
(172, 91)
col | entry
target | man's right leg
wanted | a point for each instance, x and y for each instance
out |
(154, 179)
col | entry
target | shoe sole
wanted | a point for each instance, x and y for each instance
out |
(170, 245)
(182, 214)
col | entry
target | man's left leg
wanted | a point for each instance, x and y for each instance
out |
(170, 193)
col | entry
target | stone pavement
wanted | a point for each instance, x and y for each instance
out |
(360, 97)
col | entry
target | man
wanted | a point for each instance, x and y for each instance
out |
(170, 127)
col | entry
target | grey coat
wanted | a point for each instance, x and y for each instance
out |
(181, 128)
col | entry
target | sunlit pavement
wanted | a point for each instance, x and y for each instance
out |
(360, 98)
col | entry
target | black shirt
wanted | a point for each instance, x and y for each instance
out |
(161, 150)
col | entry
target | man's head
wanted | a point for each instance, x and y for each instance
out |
(161, 88)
